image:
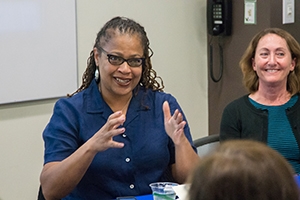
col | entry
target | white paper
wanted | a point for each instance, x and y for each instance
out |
(182, 191)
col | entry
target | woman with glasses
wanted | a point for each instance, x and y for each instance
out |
(119, 131)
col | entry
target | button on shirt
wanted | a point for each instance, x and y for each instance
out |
(145, 158)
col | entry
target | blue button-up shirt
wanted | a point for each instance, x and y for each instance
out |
(145, 158)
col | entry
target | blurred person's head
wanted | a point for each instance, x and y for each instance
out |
(243, 170)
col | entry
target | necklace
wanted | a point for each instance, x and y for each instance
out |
(124, 109)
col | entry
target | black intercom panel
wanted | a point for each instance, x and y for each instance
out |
(219, 17)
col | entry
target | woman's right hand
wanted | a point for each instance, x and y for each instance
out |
(103, 138)
(59, 178)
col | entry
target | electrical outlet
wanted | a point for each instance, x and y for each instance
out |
(288, 11)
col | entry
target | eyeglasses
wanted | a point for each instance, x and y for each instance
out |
(118, 60)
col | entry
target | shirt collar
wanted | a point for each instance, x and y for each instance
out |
(96, 104)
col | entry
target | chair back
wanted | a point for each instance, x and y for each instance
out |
(40, 194)
(207, 144)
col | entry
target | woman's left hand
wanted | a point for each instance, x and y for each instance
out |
(173, 124)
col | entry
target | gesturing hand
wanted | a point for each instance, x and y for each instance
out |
(103, 139)
(173, 124)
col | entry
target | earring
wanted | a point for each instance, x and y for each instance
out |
(97, 75)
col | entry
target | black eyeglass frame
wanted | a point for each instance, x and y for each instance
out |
(110, 56)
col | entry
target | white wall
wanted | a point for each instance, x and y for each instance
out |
(177, 33)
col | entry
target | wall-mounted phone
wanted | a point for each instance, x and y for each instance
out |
(219, 17)
(219, 22)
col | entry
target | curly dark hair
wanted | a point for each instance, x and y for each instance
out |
(125, 26)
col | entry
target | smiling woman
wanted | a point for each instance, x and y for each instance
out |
(95, 137)
(118, 78)
(271, 70)
(272, 63)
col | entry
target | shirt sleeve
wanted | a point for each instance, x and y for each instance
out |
(61, 133)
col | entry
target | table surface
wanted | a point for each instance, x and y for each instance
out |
(145, 197)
